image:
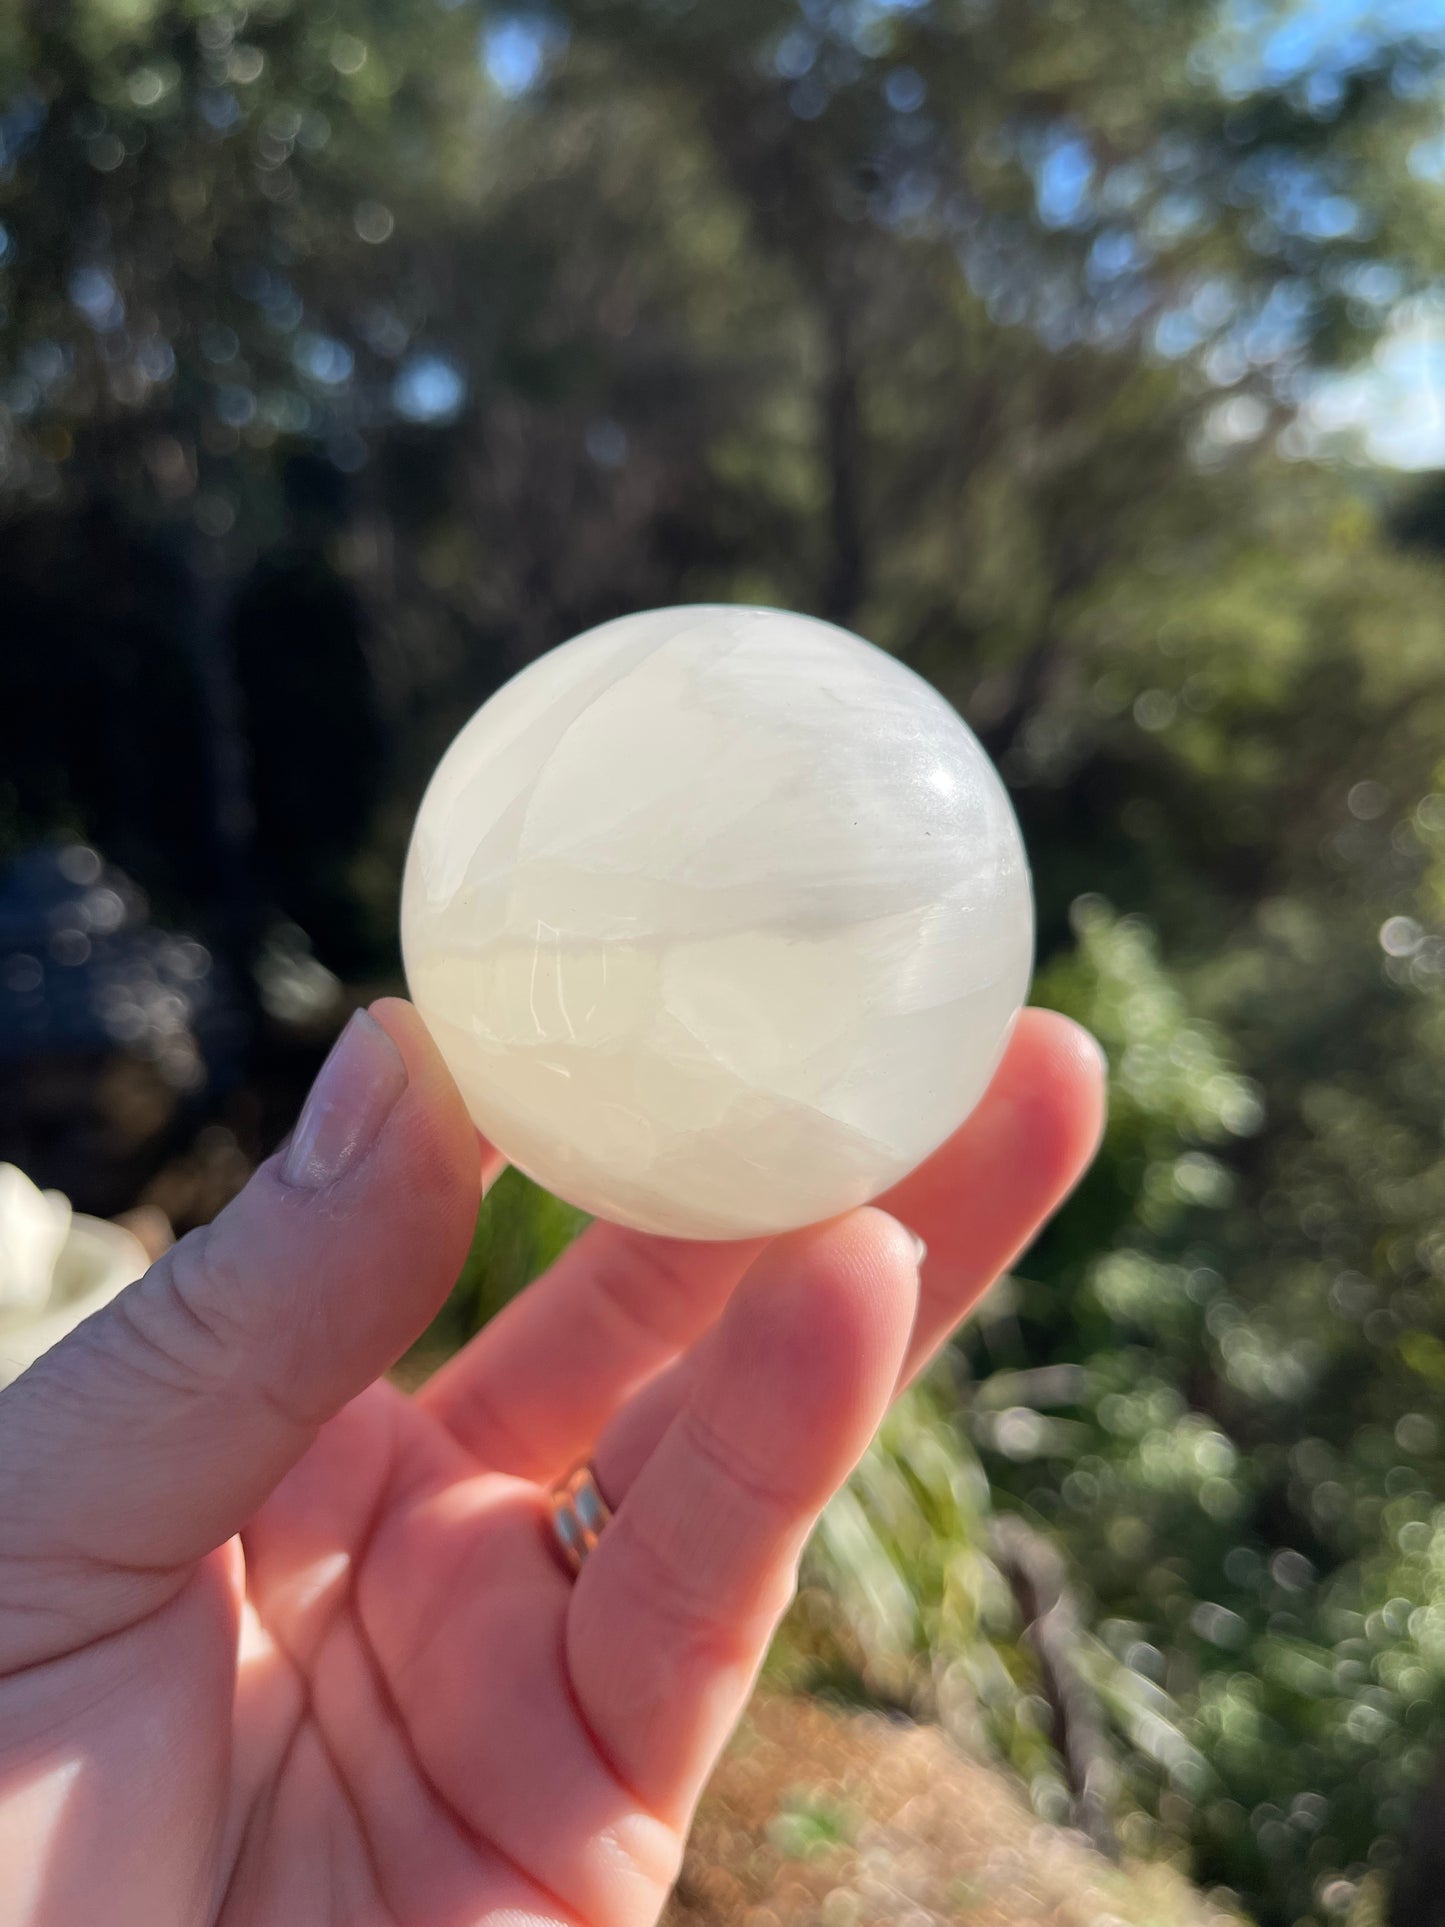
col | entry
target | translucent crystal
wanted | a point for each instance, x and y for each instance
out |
(720, 917)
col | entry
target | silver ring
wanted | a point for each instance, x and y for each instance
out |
(580, 1515)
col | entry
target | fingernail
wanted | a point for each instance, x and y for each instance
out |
(1100, 1052)
(349, 1102)
(920, 1249)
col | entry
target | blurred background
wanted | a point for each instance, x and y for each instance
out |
(1087, 354)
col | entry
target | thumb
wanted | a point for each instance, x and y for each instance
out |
(152, 1433)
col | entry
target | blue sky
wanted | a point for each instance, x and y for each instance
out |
(1270, 42)
(1393, 406)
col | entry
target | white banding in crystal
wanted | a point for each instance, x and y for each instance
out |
(721, 918)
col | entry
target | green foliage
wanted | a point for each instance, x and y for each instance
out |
(909, 1594)
(808, 1825)
(520, 1230)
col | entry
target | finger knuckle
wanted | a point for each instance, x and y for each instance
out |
(186, 1328)
(174, 1326)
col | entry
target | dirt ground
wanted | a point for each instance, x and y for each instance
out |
(824, 1818)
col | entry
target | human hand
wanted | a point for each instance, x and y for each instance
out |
(280, 1646)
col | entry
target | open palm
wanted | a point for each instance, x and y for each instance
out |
(280, 1646)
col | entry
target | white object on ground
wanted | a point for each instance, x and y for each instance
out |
(34, 1225)
(56, 1268)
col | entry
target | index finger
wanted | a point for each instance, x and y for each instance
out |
(981, 1200)
(975, 1204)
(598, 1332)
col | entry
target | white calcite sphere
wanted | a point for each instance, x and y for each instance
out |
(720, 917)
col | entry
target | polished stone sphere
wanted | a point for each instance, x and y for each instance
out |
(720, 917)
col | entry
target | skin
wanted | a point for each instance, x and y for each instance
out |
(279, 1645)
